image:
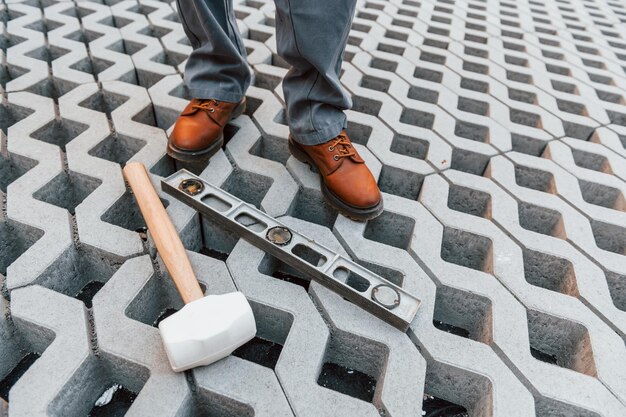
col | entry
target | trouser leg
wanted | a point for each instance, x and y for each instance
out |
(311, 35)
(217, 67)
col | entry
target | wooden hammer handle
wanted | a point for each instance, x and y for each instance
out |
(163, 232)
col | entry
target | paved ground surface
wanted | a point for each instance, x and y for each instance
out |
(496, 129)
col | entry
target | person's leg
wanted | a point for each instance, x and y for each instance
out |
(311, 35)
(217, 66)
(217, 75)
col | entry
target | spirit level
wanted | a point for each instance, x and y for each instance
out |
(353, 282)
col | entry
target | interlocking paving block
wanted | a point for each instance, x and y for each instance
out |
(30, 112)
(259, 181)
(72, 66)
(464, 370)
(169, 97)
(26, 50)
(125, 316)
(99, 154)
(376, 351)
(53, 328)
(146, 50)
(486, 250)
(164, 25)
(109, 59)
(411, 148)
(613, 137)
(266, 109)
(594, 173)
(547, 190)
(594, 157)
(470, 141)
(496, 131)
(403, 371)
(16, 237)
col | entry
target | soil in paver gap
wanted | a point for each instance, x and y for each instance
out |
(459, 331)
(260, 351)
(292, 278)
(118, 405)
(347, 381)
(87, 293)
(16, 373)
(437, 407)
(214, 254)
(542, 356)
(165, 314)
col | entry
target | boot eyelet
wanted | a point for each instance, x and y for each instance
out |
(336, 157)
(330, 148)
(211, 109)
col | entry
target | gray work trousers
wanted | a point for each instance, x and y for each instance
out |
(311, 36)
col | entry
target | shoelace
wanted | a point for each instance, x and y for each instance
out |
(344, 142)
(206, 105)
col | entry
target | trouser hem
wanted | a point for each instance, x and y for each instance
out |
(320, 136)
(205, 93)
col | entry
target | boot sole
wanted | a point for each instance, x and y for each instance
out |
(205, 154)
(354, 213)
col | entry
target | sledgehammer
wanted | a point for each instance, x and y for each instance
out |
(206, 329)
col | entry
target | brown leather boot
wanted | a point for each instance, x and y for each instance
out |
(346, 182)
(199, 130)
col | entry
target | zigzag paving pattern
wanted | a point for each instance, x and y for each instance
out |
(496, 130)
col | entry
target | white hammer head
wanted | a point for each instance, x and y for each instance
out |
(207, 330)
